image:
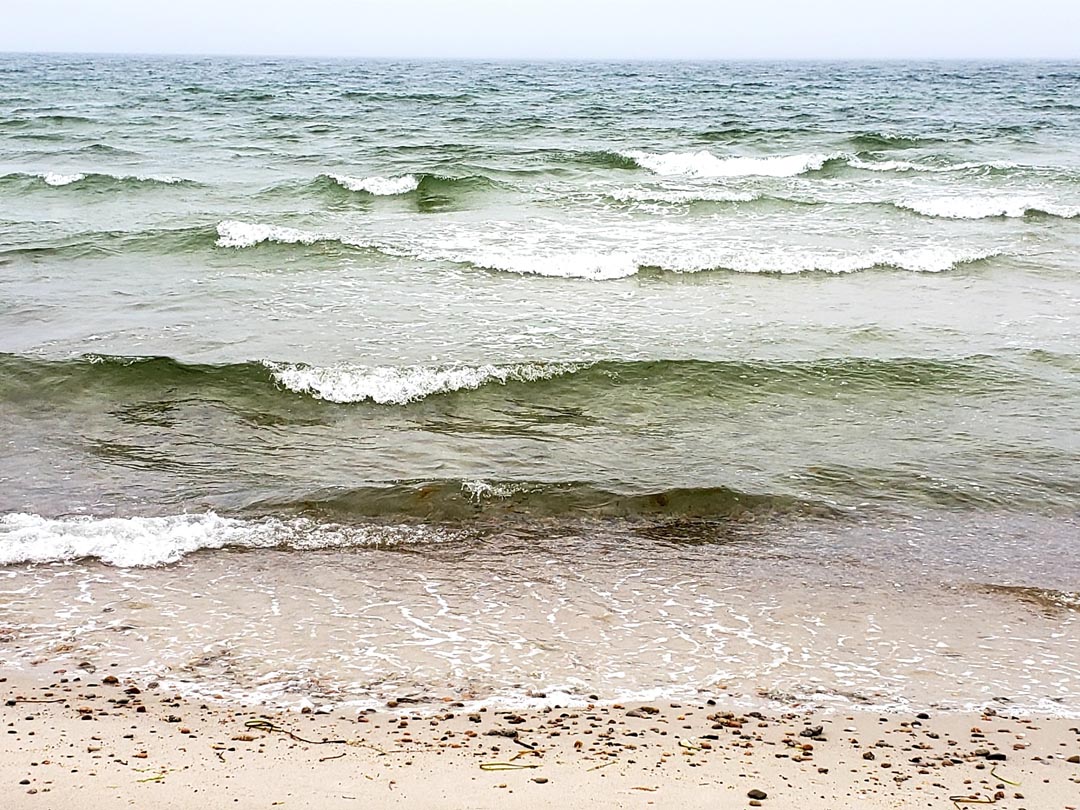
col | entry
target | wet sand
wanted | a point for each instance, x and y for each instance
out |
(76, 739)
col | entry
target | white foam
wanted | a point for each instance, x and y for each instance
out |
(235, 234)
(706, 164)
(148, 541)
(56, 179)
(379, 186)
(597, 266)
(907, 166)
(682, 195)
(480, 491)
(59, 179)
(398, 385)
(982, 207)
(934, 259)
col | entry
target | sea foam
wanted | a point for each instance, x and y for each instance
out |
(596, 266)
(931, 259)
(706, 164)
(61, 179)
(235, 234)
(687, 195)
(908, 166)
(982, 207)
(378, 186)
(399, 385)
(57, 179)
(149, 541)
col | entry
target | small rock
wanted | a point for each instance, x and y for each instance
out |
(110, 680)
(757, 794)
(814, 731)
(1074, 759)
(868, 755)
(540, 780)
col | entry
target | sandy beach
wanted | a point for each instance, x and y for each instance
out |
(82, 739)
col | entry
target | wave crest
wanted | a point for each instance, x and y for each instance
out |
(399, 385)
(98, 180)
(148, 541)
(706, 164)
(908, 166)
(985, 207)
(378, 186)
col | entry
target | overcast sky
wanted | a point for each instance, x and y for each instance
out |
(637, 29)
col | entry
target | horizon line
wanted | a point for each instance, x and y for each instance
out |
(534, 58)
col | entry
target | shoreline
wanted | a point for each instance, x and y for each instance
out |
(81, 739)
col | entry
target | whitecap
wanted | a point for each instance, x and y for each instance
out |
(378, 186)
(706, 164)
(60, 179)
(149, 541)
(908, 166)
(399, 385)
(982, 207)
(57, 179)
(235, 234)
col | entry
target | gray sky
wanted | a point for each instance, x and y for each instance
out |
(550, 28)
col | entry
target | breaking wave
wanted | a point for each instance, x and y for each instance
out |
(856, 162)
(148, 541)
(984, 207)
(378, 186)
(100, 181)
(399, 385)
(706, 164)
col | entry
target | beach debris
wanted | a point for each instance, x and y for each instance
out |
(999, 777)
(690, 744)
(975, 799)
(507, 766)
(263, 724)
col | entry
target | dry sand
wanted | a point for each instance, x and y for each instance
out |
(82, 739)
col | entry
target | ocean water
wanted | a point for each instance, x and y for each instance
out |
(343, 379)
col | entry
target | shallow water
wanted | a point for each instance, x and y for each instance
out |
(410, 324)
